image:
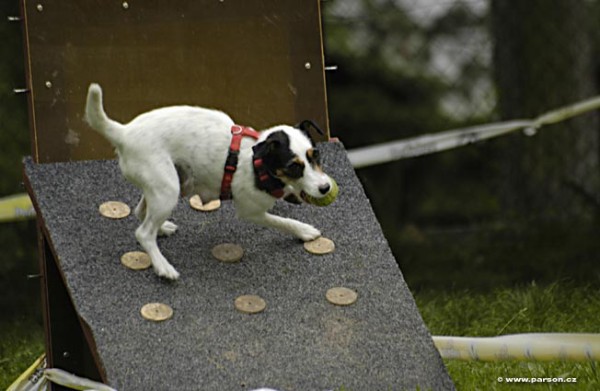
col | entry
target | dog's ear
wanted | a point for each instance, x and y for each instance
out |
(306, 125)
(273, 142)
(277, 141)
(274, 150)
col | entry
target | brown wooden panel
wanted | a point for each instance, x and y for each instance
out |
(248, 58)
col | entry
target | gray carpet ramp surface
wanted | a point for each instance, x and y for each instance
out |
(300, 342)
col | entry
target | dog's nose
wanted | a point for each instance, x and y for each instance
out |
(324, 189)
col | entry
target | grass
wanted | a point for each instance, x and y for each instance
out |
(552, 308)
(21, 344)
(498, 255)
(21, 333)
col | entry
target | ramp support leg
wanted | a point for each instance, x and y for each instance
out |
(67, 347)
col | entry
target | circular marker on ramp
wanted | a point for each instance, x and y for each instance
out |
(196, 203)
(341, 296)
(250, 304)
(114, 209)
(156, 312)
(320, 246)
(136, 260)
(228, 252)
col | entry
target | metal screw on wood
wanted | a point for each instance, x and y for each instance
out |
(39, 7)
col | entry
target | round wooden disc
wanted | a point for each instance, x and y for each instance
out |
(196, 203)
(228, 252)
(250, 304)
(114, 210)
(136, 260)
(156, 312)
(341, 296)
(320, 246)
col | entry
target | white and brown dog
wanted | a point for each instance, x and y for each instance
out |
(186, 150)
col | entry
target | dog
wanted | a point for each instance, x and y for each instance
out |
(179, 150)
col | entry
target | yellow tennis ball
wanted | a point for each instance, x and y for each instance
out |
(326, 199)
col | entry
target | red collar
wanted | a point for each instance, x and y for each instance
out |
(264, 179)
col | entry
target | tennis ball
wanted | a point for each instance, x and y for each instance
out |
(326, 199)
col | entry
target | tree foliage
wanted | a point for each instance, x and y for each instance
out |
(387, 88)
(542, 60)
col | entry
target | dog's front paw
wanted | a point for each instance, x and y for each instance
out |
(167, 271)
(308, 233)
(167, 229)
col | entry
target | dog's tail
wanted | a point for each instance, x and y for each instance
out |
(97, 118)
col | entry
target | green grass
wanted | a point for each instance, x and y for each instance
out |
(498, 255)
(21, 344)
(553, 308)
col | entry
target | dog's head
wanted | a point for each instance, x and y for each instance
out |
(290, 156)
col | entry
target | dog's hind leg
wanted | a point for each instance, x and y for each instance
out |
(140, 209)
(159, 205)
(166, 229)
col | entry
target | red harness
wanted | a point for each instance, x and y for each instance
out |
(266, 182)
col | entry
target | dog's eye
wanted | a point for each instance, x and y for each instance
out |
(294, 169)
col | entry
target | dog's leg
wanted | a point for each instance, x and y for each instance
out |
(301, 230)
(140, 209)
(159, 205)
(166, 229)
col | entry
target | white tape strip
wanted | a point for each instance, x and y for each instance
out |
(58, 376)
(424, 145)
(427, 144)
(534, 346)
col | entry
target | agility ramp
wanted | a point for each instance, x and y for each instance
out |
(299, 342)
(262, 62)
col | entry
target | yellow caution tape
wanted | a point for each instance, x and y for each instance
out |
(37, 378)
(33, 378)
(16, 207)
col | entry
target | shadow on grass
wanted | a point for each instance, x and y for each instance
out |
(21, 327)
(487, 257)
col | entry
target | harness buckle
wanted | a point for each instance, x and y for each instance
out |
(236, 129)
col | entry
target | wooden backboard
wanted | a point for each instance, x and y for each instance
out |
(261, 61)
